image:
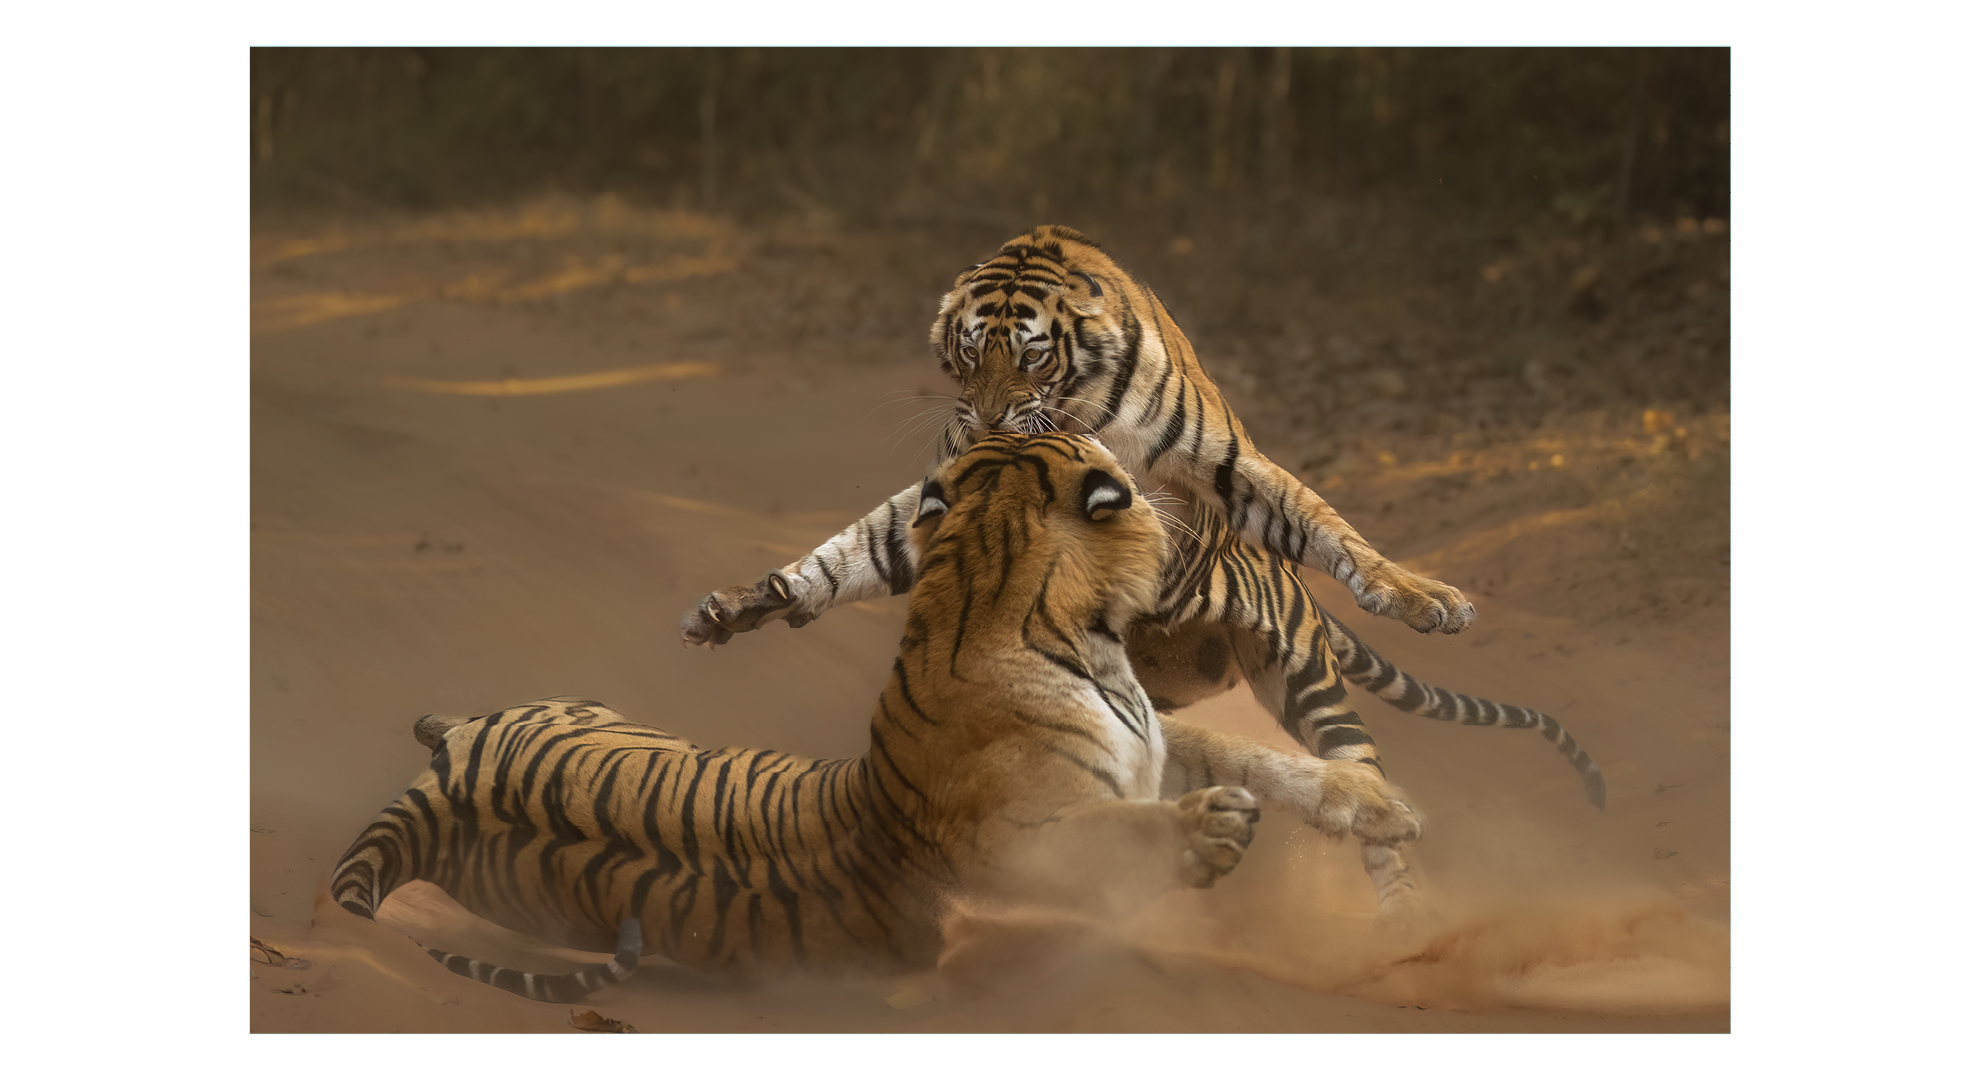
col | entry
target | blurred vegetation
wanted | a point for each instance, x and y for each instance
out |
(898, 135)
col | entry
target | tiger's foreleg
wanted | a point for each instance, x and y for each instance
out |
(1271, 508)
(1340, 798)
(394, 849)
(1295, 677)
(1106, 858)
(870, 558)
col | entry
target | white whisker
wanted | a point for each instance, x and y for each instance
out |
(1180, 525)
(902, 397)
(930, 419)
(917, 421)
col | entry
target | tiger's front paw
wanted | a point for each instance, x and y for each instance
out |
(740, 608)
(1356, 800)
(1417, 602)
(1387, 820)
(1216, 826)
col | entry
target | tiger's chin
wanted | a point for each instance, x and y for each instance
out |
(1034, 423)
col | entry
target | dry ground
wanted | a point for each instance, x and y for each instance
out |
(496, 456)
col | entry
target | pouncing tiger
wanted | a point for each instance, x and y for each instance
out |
(1014, 760)
(1051, 334)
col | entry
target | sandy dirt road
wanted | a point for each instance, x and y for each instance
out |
(475, 484)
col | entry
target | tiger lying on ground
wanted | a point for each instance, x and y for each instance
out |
(1014, 760)
(1050, 334)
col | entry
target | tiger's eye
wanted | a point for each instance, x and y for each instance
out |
(969, 352)
(1033, 354)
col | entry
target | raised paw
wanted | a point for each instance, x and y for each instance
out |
(1216, 826)
(1418, 602)
(723, 614)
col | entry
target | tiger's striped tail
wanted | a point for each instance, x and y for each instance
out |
(1366, 669)
(560, 988)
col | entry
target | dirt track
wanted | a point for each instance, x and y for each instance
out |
(492, 463)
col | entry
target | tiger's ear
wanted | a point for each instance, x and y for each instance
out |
(1087, 298)
(1102, 495)
(933, 503)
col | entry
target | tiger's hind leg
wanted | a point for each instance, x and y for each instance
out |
(1249, 616)
(1229, 609)
(394, 849)
(1183, 665)
(1294, 675)
(1254, 617)
(405, 843)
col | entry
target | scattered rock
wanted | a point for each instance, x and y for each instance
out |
(268, 954)
(589, 1020)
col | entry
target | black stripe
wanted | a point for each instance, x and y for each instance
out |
(1091, 769)
(1412, 695)
(900, 682)
(1125, 368)
(1226, 482)
(1343, 731)
(1201, 427)
(1171, 431)
(900, 568)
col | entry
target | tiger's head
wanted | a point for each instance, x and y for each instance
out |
(1031, 338)
(1037, 525)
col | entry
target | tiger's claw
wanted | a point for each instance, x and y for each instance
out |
(725, 613)
(1419, 603)
(1217, 824)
